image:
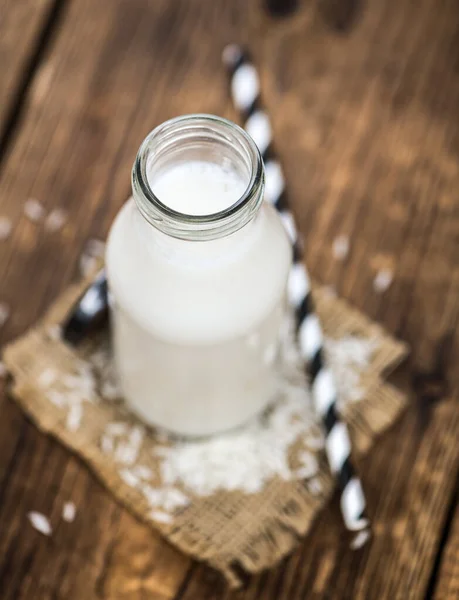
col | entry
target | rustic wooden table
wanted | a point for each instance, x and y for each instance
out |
(366, 122)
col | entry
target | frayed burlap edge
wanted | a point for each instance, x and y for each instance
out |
(228, 530)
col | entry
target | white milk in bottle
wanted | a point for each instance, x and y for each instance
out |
(197, 267)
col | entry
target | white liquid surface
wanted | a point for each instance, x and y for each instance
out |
(196, 324)
(198, 187)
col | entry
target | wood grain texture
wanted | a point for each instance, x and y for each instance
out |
(448, 579)
(111, 74)
(21, 24)
(366, 123)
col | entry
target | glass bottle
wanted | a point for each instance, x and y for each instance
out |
(198, 295)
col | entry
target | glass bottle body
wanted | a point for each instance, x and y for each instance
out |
(198, 300)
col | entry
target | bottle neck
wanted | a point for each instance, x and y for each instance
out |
(202, 139)
(201, 254)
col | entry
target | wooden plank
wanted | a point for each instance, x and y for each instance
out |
(405, 509)
(377, 157)
(111, 74)
(21, 24)
(351, 115)
(448, 579)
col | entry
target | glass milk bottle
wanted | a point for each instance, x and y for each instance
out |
(197, 266)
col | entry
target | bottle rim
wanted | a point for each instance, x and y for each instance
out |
(194, 129)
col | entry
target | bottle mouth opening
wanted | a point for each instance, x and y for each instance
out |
(205, 138)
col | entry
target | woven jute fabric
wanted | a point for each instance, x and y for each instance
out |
(229, 530)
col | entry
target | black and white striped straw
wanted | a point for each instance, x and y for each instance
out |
(245, 92)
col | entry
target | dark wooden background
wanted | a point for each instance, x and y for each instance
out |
(366, 120)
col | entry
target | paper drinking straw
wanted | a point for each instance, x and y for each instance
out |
(245, 92)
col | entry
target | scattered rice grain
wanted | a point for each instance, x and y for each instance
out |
(95, 248)
(161, 517)
(383, 280)
(143, 472)
(136, 437)
(106, 444)
(174, 498)
(69, 512)
(231, 54)
(47, 377)
(33, 210)
(40, 522)
(349, 357)
(128, 451)
(167, 498)
(57, 398)
(74, 417)
(152, 495)
(341, 247)
(129, 478)
(309, 465)
(55, 220)
(360, 539)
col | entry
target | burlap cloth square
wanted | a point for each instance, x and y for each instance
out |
(248, 511)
